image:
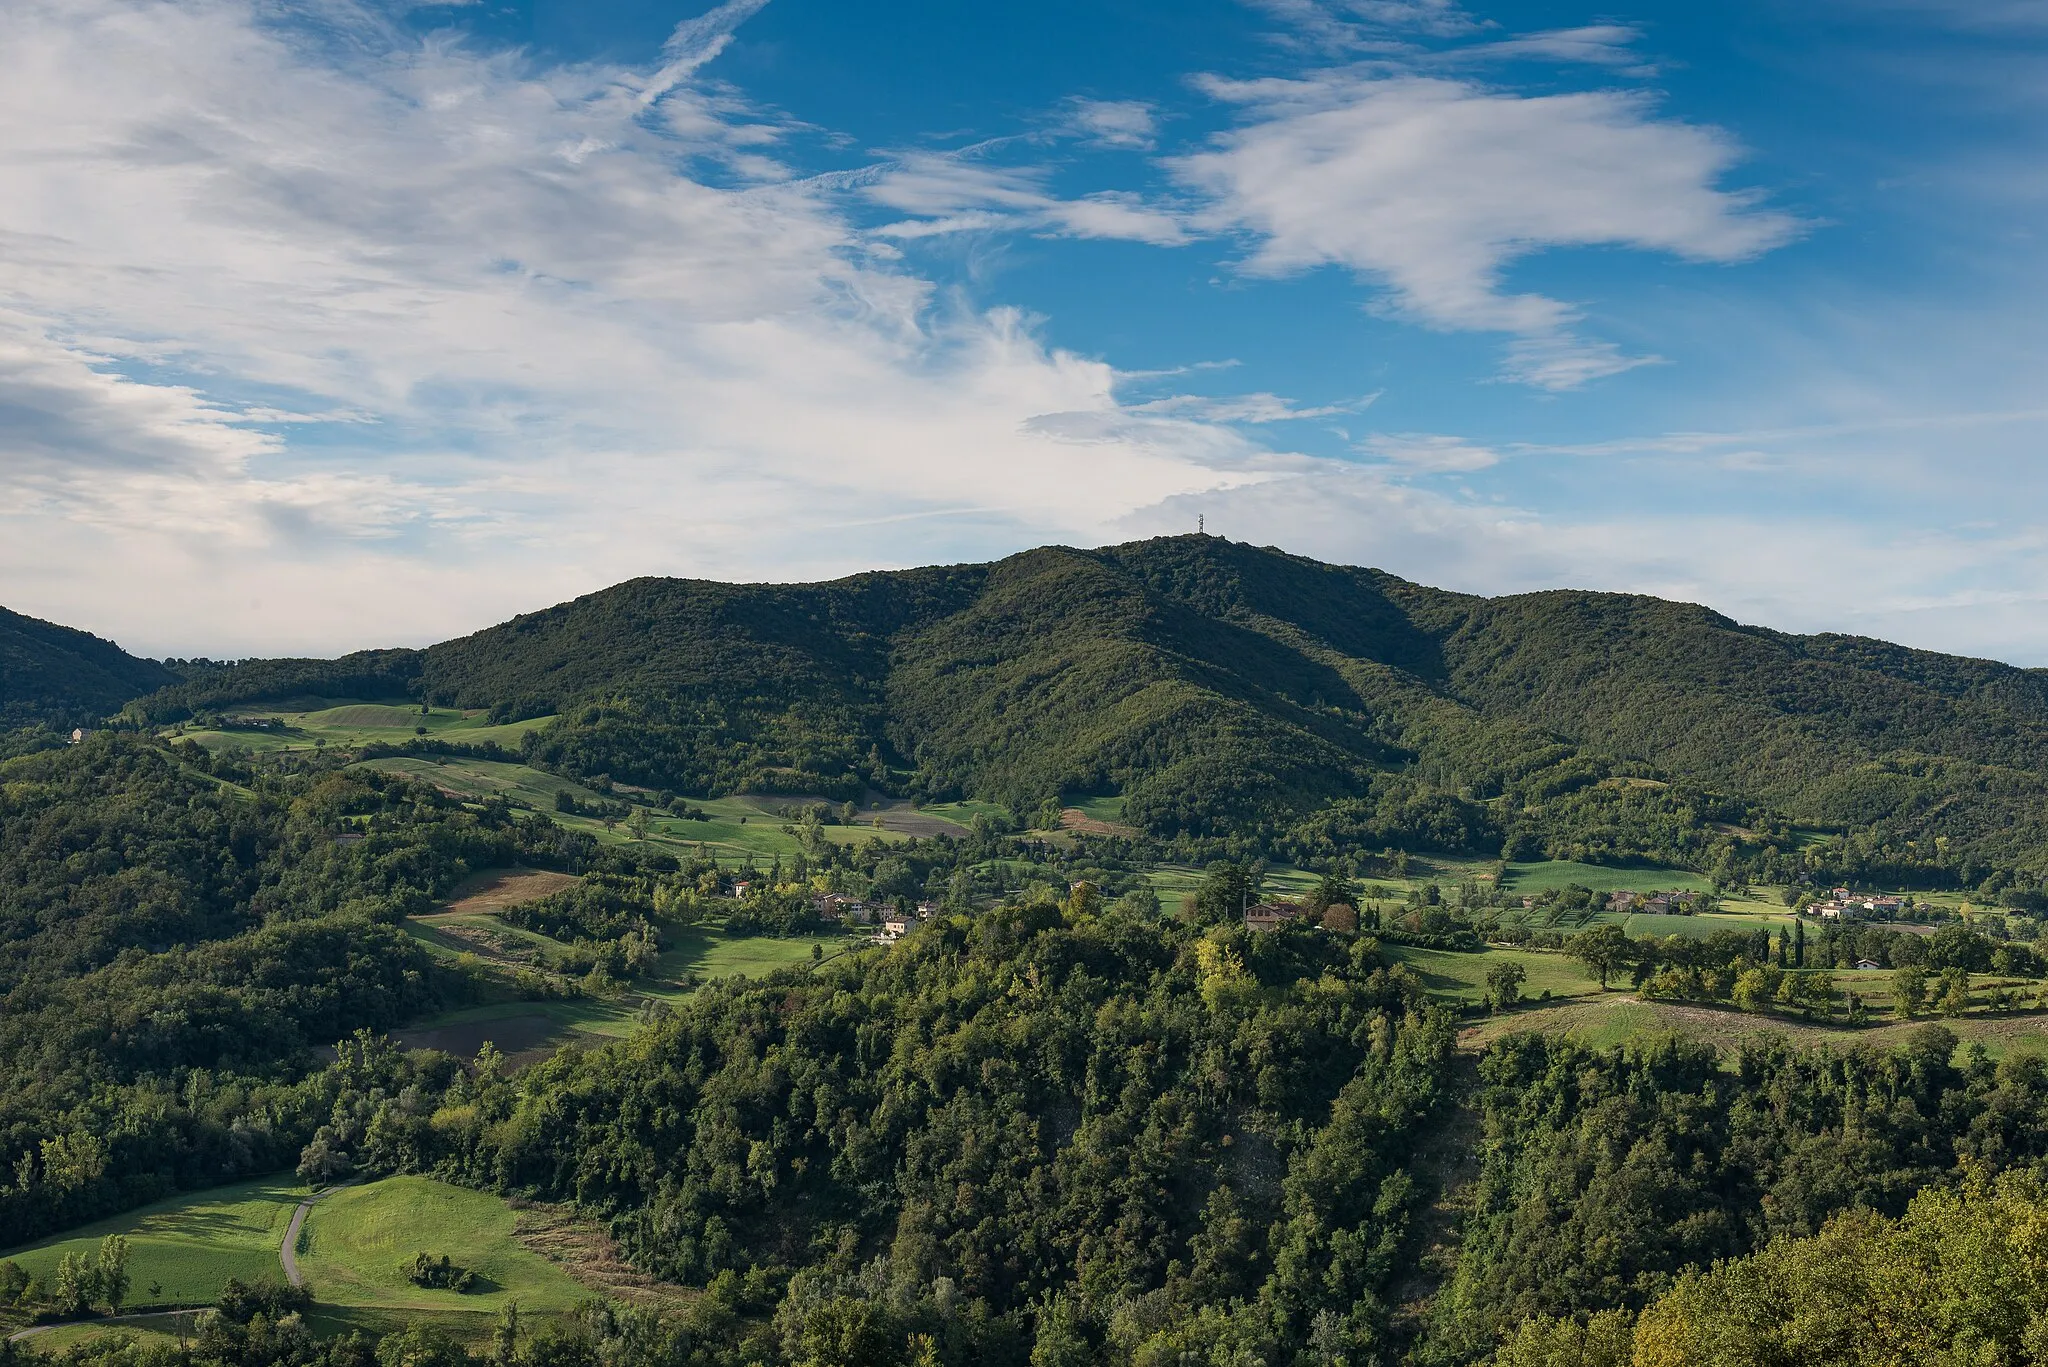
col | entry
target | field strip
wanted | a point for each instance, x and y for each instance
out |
(18, 1335)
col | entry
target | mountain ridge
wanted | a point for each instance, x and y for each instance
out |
(60, 676)
(1228, 692)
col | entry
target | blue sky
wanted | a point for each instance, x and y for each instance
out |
(331, 323)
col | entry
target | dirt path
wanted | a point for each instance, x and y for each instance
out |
(288, 1251)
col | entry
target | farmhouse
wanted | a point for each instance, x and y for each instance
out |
(838, 906)
(1270, 915)
(896, 925)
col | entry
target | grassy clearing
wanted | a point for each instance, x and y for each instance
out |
(1549, 875)
(151, 1331)
(1109, 809)
(189, 1244)
(710, 953)
(1698, 927)
(339, 722)
(1605, 1019)
(1463, 976)
(356, 1240)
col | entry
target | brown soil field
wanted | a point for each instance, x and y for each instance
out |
(1074, 819)
(515, 1036)
(497, 889)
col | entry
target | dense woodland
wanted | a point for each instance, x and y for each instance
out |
(174, 945)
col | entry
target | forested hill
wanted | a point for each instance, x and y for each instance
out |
(1229, 691)
(56, 676)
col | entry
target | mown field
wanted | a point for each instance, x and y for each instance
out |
(1604, 1020)
(183, 1249)
(357, 1243)
(352, 1251)
(313, 722)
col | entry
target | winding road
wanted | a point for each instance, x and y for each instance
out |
(288, 1251)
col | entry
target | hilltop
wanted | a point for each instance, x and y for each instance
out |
(57, 676)
(1230, 692)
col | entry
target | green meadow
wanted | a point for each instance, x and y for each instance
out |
(188, 1245)
(356, 1242)
(1527, 879)
(313, 722)
(1462, 977)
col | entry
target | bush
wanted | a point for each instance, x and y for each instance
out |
(438, 1274)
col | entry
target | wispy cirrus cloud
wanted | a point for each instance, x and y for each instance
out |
(955, 192)
(549, 354)
(1251, 408)
(1122, 124)
(1435, 187)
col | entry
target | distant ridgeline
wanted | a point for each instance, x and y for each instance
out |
(56, 677)
(1240, 698)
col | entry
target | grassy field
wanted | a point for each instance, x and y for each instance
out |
(190, 1244)
(313, 721)
(1463, 976)
(356, 1240)
(152, 1331)
(1525, 880)
(735, 829)
(710, 953)
(1604, 1020)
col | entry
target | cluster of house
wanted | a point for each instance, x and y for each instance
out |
(1842, 905)
(1653, 903)
(893, 924)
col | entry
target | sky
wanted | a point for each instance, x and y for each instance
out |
(327, 324)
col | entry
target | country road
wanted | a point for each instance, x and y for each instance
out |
(287, 1252)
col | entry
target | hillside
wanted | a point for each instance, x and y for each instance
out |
(1229, 691)
(57, 676)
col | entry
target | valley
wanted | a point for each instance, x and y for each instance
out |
(1088, 957)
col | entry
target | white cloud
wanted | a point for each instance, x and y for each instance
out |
(1128, 124)
(953, 192)
(1611, 45)
(1434, 187)
(1342, 24)
(546, 355)
(1430, 452)
(1253, 408)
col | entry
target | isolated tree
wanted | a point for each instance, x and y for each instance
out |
(1334, 888)
(1954, 997)
(1504, 984)
(505, 1338)
(1227, 890)
(113, 1272)
(1909, 989)
(78, 1283)
(1602, 949)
